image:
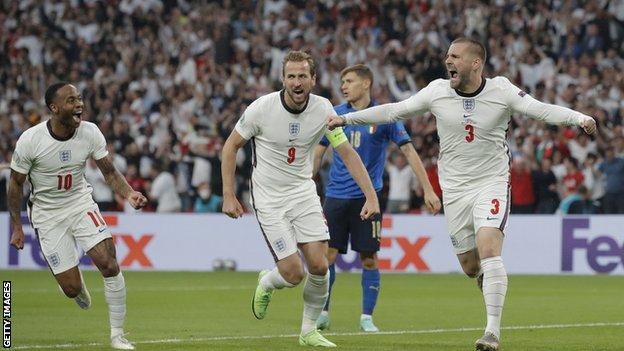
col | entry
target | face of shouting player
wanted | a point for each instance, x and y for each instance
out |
(68, 107)
(298, 83)
(462, 67)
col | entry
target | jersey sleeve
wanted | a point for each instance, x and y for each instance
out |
(99, 144)
(21, 161)
(523, 103)
(387, 113)
(398, 134)
(247, 126)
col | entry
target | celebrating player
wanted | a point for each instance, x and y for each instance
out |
(344, 197)
(472, 115)
(53, 156)
(284, 127)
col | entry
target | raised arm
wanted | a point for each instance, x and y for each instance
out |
(431, 199)
(358, 171)
(231, 206)
(525, 104)
(16, 184)
(386, 113)
(119, 184)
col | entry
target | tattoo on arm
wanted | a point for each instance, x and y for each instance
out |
(16, 184)
(113, 178)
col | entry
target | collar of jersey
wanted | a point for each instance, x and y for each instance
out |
(476, 91)
(371, 104)
(49, 125)
(293, 111)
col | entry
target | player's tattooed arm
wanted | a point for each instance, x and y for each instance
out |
(16, 184)
(113, 177)
(119, 184)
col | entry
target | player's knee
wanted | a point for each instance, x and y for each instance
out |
(471, 270)
(318, 268)
(71, 290)
(110, 268)
(369, 261)
(294, 276)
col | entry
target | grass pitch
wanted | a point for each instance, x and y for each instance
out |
(211, 311)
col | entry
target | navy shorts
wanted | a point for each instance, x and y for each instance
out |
(345, 224)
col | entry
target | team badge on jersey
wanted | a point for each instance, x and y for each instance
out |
(54, 260)
(65, 155)
(469, 105)
(279, 245)
(293, 128)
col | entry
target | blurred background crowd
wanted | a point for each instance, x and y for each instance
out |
(166, 81)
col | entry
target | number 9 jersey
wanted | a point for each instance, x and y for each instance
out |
(282, 142)
(56, 169)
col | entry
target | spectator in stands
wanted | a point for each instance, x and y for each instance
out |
(545, 187)
(613, 169)
(402, 181)
(163, 190)
(522, 195)
(584, 204)
(206, 201)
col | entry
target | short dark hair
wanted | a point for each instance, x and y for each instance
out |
(474, 46)
(50, 93)
(360, 70)
(299, 56)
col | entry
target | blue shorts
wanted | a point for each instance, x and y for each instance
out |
(345, 224)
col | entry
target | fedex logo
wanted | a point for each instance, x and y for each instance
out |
(133, 246)
(391, 259)
(604, 254)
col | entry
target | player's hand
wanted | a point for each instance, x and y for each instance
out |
(370, 209)
(17, 238)
(335, 122)
(232, 207)
(432, 202)
(137, 200)
(589, 125)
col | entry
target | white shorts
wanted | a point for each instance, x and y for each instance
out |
(297, 221)
(468, 211)
(58, 240)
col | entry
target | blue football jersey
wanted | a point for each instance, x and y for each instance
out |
(370, 142)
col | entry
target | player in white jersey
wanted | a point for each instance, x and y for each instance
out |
(53, 155)
(284, 128)
(472, 115)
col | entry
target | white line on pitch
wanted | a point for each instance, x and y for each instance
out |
(390, 332)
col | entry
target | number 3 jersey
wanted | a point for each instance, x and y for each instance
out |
(472, 127)
(283, 142)
(56, 169)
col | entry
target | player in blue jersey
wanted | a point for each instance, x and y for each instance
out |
(344, 197)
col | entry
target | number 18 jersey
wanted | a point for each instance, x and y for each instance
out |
(56, 169)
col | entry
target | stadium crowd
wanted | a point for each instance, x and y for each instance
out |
(166, 81)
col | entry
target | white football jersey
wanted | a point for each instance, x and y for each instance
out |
(56, 169)
(283, 143)
(472, 128)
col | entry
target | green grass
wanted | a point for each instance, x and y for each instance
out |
(211, 311)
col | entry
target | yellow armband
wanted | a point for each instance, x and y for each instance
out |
(336, 137)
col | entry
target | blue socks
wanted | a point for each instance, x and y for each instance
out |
(332, 279)
(370, 290)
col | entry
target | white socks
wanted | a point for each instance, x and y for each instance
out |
(494, 290)
(115, 295)
(274, 280)
(315, 294)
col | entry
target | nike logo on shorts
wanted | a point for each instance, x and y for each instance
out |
(102, 229)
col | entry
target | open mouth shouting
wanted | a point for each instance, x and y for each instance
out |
(77, 116)
(453, 75)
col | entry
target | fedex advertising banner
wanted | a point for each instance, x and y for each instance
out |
(533, 244)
